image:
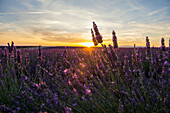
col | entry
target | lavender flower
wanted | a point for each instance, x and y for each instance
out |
(94, 39)
(104, 49)
(18, 56)
(9, 48)
(88, 92)
(163, 44)
(68, 109)
(114, 39)
(147, 46)
(98, 36)
(39, 51)
(95, 29)
(12, 46)
(114, 57)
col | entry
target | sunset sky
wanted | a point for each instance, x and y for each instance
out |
(68, 22)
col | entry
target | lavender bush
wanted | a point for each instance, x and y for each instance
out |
(107, 79)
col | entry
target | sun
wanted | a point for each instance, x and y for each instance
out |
(87, 44)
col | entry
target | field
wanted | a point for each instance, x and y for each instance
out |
(84, 80)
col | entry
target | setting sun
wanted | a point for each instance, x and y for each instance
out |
(87, 44)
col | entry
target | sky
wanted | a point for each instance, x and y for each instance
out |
(68, 22)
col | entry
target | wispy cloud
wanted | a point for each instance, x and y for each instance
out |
(63, 21)
(157, 11)
(58, 36)
(20, 13)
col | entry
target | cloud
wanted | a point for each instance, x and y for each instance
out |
(157, 11)
(70, 21)
(25, 13)
(69, 37)
(20, 13)
(58, 36)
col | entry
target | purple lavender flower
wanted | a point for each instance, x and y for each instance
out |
(147, 46)
(163, 44)
(68, 109)
(114, 39)
(88, 91)
(104, 49)
(9, 48)
(98, 36)
(12, 46)
(39, 51)
(114, 57)
(94, 39)
(18, 56)
(18, 108)
(95, 29)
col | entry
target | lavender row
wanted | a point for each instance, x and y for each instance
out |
(107, 79)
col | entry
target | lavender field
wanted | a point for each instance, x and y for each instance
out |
(85, 80)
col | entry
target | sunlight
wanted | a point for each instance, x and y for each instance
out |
(87, 44)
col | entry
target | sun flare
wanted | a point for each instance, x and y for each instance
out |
(87, 44)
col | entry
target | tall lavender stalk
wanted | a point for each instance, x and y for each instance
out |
(93, 38)
(9, 48)
(18, 57)
(147, 46)
(169, 52)
(114, 39)
(98, 35)
(12, 46)
(169, 43)
(39, 51)
(163, 44)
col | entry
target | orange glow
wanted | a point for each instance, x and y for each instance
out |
(87, 44)
(23, 38)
